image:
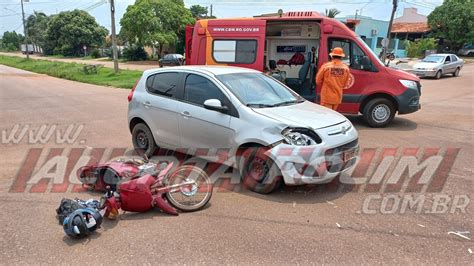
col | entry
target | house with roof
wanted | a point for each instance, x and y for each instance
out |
(410, 26)
(372, 31)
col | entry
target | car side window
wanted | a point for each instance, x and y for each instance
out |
(345, 45)
(355, 57)
(198, 89)
(448, 59)
(454, 58)
(163, 84)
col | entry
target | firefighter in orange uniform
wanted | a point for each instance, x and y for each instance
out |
(333, 77)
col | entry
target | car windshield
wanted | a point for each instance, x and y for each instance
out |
(433, 59)
(259, 90)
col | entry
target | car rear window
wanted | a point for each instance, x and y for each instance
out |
(163, 84)
(234, 51)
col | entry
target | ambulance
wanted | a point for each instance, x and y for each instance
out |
(292, 46)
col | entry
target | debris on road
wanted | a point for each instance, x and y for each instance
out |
(470, 250)
(460, 234)
(394, 234)
(420, 225)
(338, 226)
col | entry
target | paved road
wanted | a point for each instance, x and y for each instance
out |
(295, 226)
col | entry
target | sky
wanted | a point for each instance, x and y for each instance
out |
(10, 10)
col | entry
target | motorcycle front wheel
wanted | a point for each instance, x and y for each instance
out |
(191, 188)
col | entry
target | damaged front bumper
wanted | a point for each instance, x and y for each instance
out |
(317, 164)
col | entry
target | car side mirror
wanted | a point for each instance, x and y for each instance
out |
(215, 105)
(447, 62)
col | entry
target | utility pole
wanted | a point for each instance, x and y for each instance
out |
(114, 37)
(211, 10)
(25, 31)
(394, 10)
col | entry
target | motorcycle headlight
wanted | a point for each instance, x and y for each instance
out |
(300, 137)
(408, 83)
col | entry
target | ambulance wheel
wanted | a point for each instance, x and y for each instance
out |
(379, 112)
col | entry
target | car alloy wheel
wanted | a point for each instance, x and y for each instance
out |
(456, 73)
(142, 140)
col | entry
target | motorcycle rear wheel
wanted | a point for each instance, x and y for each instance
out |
(193, 197)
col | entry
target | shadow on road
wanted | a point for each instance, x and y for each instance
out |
(398, 124)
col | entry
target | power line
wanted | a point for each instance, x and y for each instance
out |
(279, 3)
(10, 15)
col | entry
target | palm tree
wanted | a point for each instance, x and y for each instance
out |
(332, 13)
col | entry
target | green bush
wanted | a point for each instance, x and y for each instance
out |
(95, 53)
(417, 48)
(135, 53)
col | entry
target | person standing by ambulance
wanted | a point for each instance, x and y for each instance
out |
(333, 77)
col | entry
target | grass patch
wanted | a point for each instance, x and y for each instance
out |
(72, 71)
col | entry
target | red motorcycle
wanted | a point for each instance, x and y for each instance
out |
(139, 185)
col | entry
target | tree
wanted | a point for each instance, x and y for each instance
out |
(417, 48)
(11, 41)
(332, 13)
(199, 11)
(155, 22)
(37, 25)
(453, 21)
(69, 31)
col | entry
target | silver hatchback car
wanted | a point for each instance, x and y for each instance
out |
(267, 130)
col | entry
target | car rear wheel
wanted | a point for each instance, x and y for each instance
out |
(143, 140)
(438, 74)
(456, 73)
(258, 172)
(379, 112)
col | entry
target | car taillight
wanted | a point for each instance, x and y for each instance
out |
(130, 95)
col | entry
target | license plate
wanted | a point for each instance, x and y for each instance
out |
(349, 154)
(419, 74)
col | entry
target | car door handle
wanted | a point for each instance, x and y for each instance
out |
(185, 114)
(146, 104)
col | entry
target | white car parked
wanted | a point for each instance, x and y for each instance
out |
(239, 110)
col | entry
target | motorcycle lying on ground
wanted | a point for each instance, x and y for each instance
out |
(137, 185)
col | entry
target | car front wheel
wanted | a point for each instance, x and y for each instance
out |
(143, 140)
(438, 74)
(258, 172)
(379, 112)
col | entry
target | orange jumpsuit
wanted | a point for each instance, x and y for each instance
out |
(333, 77)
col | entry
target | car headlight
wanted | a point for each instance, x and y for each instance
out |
(300, 137)
(409, 83)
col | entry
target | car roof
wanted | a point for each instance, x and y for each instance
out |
(209, 70)
(441, 54)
